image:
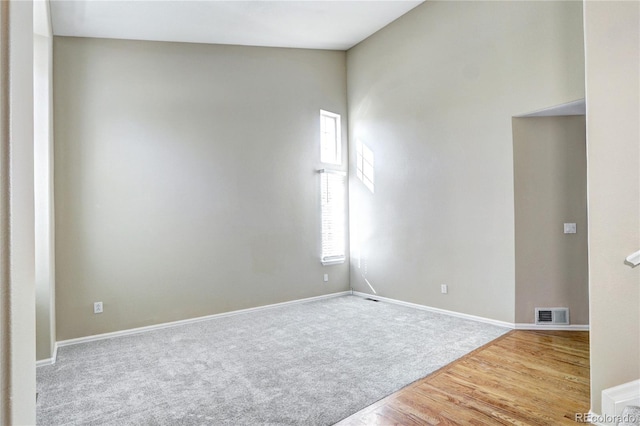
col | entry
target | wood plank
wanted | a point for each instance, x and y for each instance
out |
(526, 377)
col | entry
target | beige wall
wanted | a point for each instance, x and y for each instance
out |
(17, 306)
(550, 187)
(186, 180)
(5, 226)
(43, 181)
(433, 95)
(612, 40)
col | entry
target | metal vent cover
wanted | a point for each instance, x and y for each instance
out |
(557, 316)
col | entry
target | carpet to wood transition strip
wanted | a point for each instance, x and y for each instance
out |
(521, 378)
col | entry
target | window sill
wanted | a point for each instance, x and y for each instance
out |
(332, 262)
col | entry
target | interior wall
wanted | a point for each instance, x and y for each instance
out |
(186, 179)
(17, 288)
(613, 108)
(5, 235)
(550, 187)
(432, 95)
(43, 181)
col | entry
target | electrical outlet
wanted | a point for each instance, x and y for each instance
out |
(326, 278)
(97, 308)
(569, 228)
(444, 289)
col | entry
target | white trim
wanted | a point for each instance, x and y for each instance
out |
(519, 326)
(49, 361)
(633, 259)
(552, 327)
(335, 172)
(44, 362)
(337, 142)
(79, 340)
(570, 108)
(137, 330)
(615, 399)
(440, 311)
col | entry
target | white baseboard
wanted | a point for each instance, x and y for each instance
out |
(49, 361)
(190, 321)
(519, 326)
(45, 362)
(548, 327)
(440, 311)
(79, 340)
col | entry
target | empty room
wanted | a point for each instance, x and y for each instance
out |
(320, 212)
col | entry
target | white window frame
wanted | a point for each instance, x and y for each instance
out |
(333, 216)
(330, 141)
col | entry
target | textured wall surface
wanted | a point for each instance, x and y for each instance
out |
(432, 95)
(186, 179)
(613, 108)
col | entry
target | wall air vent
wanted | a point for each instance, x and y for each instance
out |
(552, 316)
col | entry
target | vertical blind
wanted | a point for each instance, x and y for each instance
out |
(332, 188)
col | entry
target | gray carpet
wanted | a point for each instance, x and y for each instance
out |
(313, 363)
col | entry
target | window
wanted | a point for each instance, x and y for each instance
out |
(332, 189)
(330, 144)
(364, 165)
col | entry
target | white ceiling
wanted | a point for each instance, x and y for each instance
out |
(301, 24)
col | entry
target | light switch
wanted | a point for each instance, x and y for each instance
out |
(569, 228)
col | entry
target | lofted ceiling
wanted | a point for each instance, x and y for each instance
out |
(336, 25)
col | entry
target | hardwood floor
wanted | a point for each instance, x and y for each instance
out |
(521, 378)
